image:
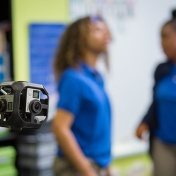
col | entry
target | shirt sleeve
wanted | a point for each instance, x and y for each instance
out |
(69, 95)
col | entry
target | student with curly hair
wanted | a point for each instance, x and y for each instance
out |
(82, 123)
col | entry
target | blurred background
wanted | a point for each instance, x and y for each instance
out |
(29, 33)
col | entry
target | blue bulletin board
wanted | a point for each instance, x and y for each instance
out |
(43, 40)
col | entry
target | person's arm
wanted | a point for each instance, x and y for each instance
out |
(61, 125)
(149, 121)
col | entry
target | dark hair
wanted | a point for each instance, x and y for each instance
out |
(72, 45)
(172, 22)
(174, 14)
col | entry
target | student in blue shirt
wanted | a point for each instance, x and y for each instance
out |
(82, 124)
(160, 119)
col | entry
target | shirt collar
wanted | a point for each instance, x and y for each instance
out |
(91, 72)
(87, 69)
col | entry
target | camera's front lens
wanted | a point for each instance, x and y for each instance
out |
(35, 106)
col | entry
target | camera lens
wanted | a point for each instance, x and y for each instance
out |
(35, 106)
(2, 105)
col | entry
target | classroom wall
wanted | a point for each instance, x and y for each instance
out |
(34, 11)
(134, 53)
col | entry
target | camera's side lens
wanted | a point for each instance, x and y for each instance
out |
(2, 105)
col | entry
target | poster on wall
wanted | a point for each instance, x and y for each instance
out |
(134, 53)
(118, 12)
(44, 38)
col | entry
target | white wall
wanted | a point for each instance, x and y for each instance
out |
(134, 54)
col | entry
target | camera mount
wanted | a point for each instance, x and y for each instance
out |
(23, 105)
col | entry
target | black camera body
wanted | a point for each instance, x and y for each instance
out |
(23, 105)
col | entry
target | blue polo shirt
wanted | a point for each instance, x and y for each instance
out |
(166, 107)
(82, 92)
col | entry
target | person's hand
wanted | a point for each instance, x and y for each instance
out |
(108, 172)
(90, 173)
(88, 170)
(141, 130)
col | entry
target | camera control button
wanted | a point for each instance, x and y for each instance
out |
(30, 92)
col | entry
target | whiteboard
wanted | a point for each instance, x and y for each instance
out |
(134, 53)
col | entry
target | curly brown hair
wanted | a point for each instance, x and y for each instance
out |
(71, 47)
